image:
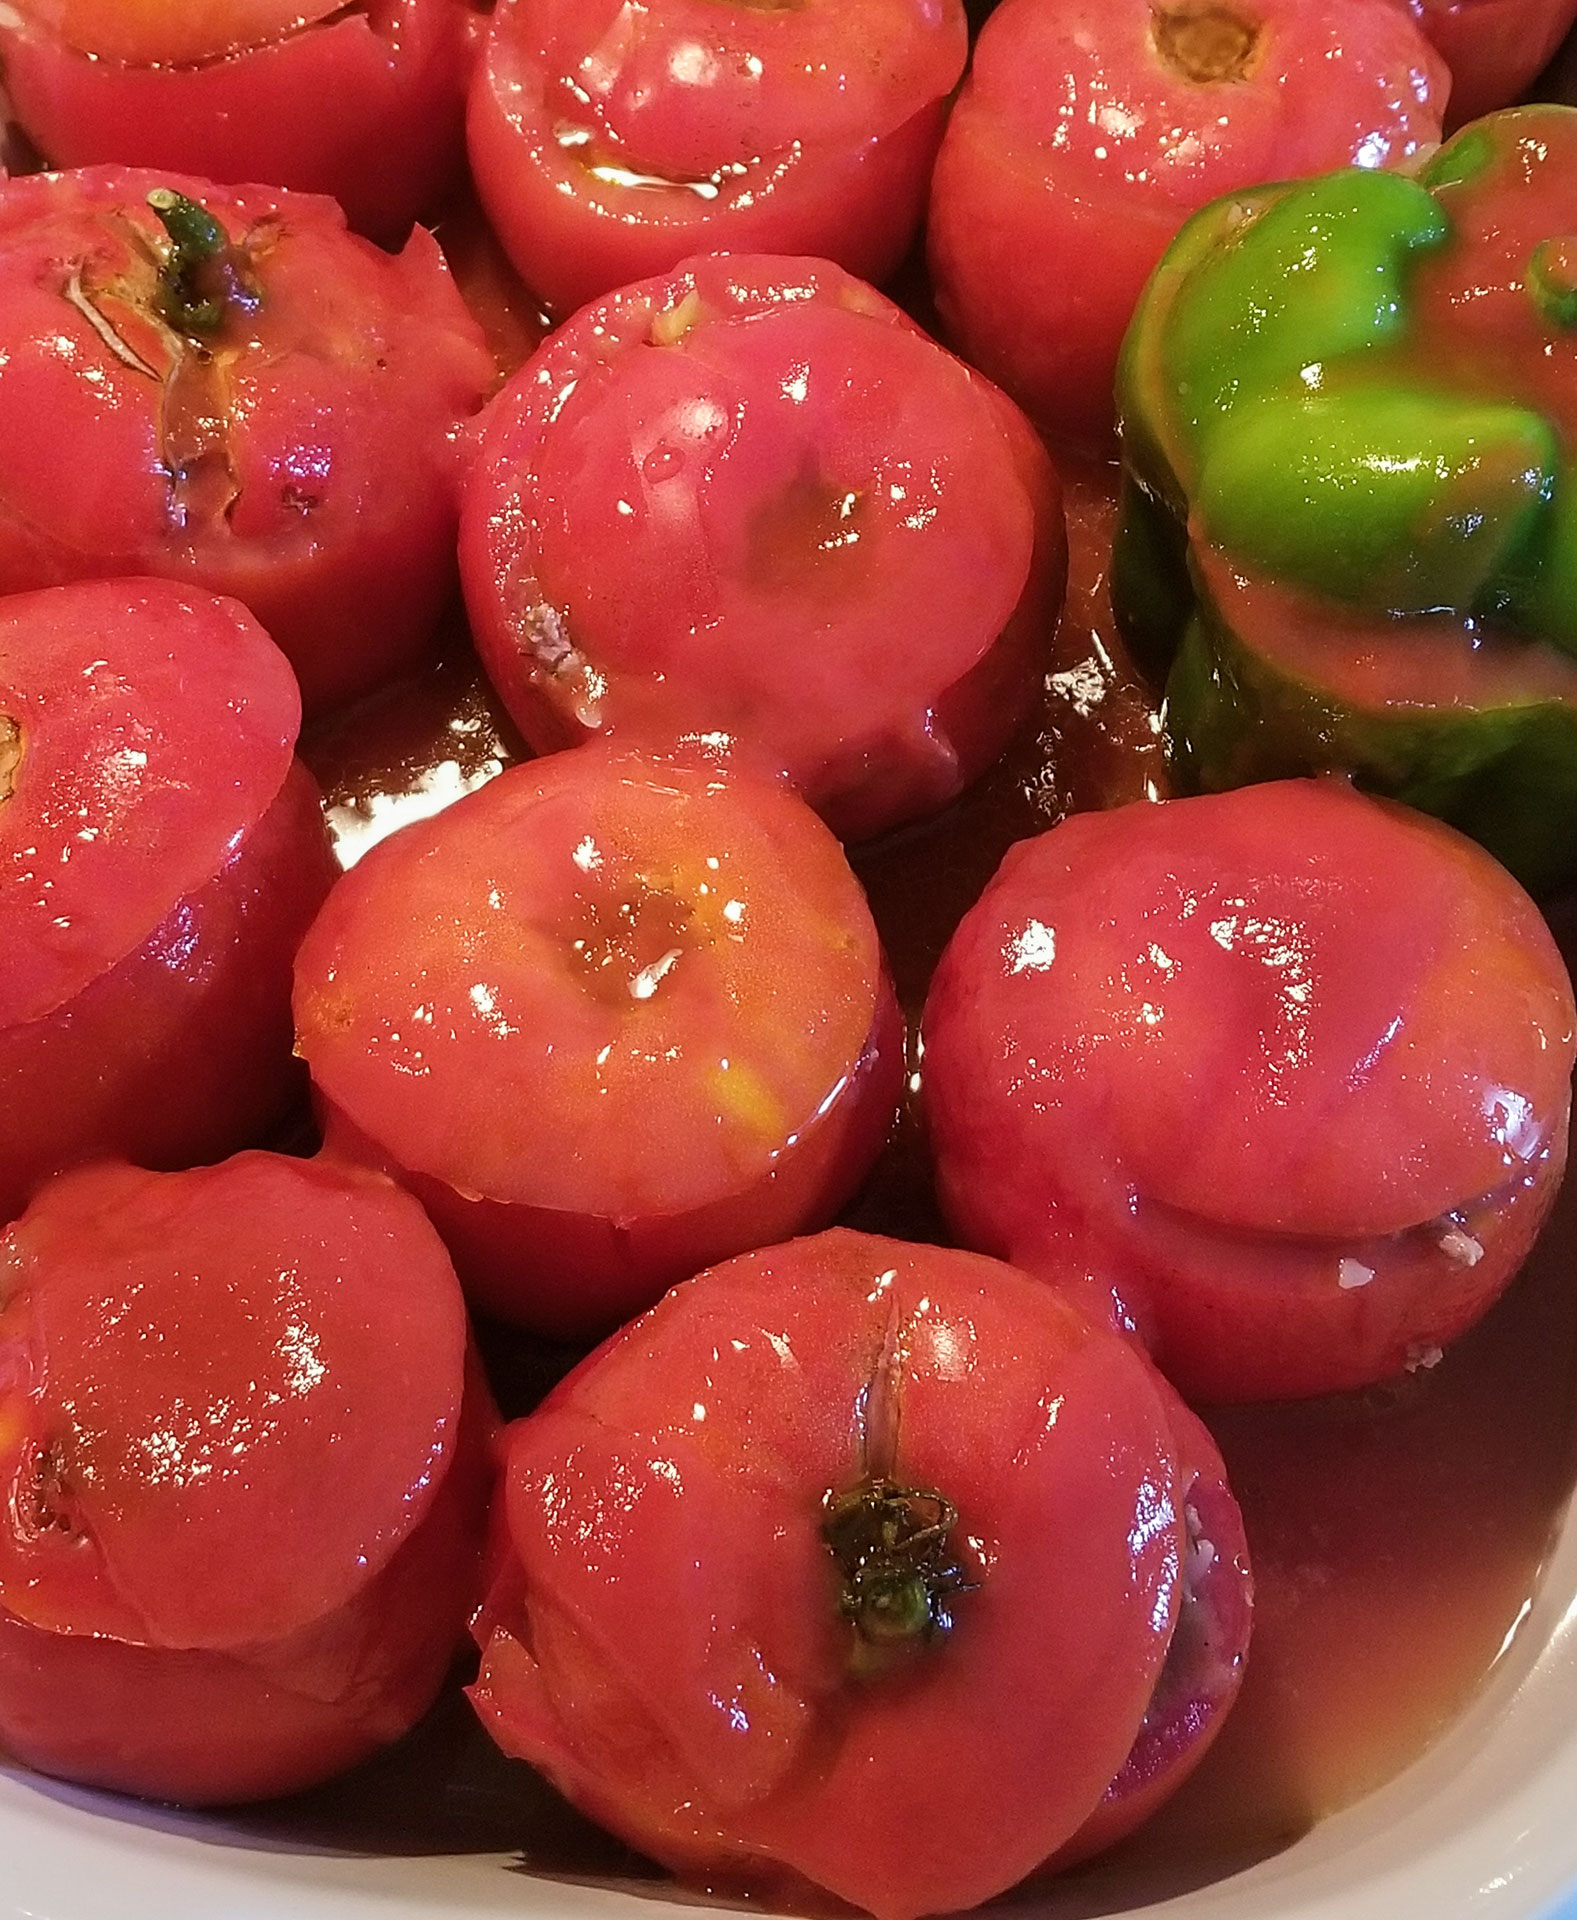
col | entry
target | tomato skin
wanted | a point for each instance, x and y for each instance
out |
(1045, 222)
(705, 486)
(1159, 1054)
(663, 1638)
(247, 1470)
(164, 854)
(819, 123)
(1494, 48)
(389, 151)
(609, 1016)
(308, 467)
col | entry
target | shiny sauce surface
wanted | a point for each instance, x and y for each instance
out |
(1397, 1533)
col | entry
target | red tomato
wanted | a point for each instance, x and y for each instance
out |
(1089, 130)
(1494, 48)
(854, 1563)
(610, 142)
(362, 103)
(245, 1476)
(287, 436)
(754, 500)
(1286, 1069)
(611, 1018)
(161, 856)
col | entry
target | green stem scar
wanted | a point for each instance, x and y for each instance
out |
(898, 1573)
(204, 278)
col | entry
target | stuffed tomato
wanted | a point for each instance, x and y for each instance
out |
(162, 854)
(1089, 130)
(832, 1508)
(609, 142)
(1279, 1077)
(1494, 48)
(224, 387)
(364, 103)
(246, 1472)
(754, 500)
(610, 1018)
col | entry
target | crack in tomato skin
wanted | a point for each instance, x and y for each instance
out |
(10, 756)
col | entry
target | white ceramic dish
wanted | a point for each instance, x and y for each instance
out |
(1483, 1827)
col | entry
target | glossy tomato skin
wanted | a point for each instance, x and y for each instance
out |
(1494, 48)
(1047, 219)
(664, 1636)
(753, 500)
(609, 144)
(1280, 1077)
(365, 105)
(611, 1017)
(163, 855)
(247, 1472)
(303, 459)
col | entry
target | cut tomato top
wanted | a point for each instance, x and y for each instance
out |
(600, 973)
(226, 1397)
(144, 731)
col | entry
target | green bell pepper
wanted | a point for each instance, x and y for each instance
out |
(1349, 408)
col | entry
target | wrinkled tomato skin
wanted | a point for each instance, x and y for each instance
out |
(752, 499)
(121, 1666)
(163, 854)
(820, 124)
(664, 1640)
(1279, 1077)
(308, 466)
(610, 1017)
(1494, 48)
(367, 108)
(1046, 221)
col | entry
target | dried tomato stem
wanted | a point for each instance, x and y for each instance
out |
(898, 1572)
(204, 277)
(10, 756)
(1205, 45)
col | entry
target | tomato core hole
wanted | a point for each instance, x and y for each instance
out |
(1208, 46)
(804, 531)
(625, 944)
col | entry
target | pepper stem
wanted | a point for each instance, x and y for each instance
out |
(898, 1573)
(204, 277)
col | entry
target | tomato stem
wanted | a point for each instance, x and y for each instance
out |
(10, 756)
(204, 277)
(899, 1574)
